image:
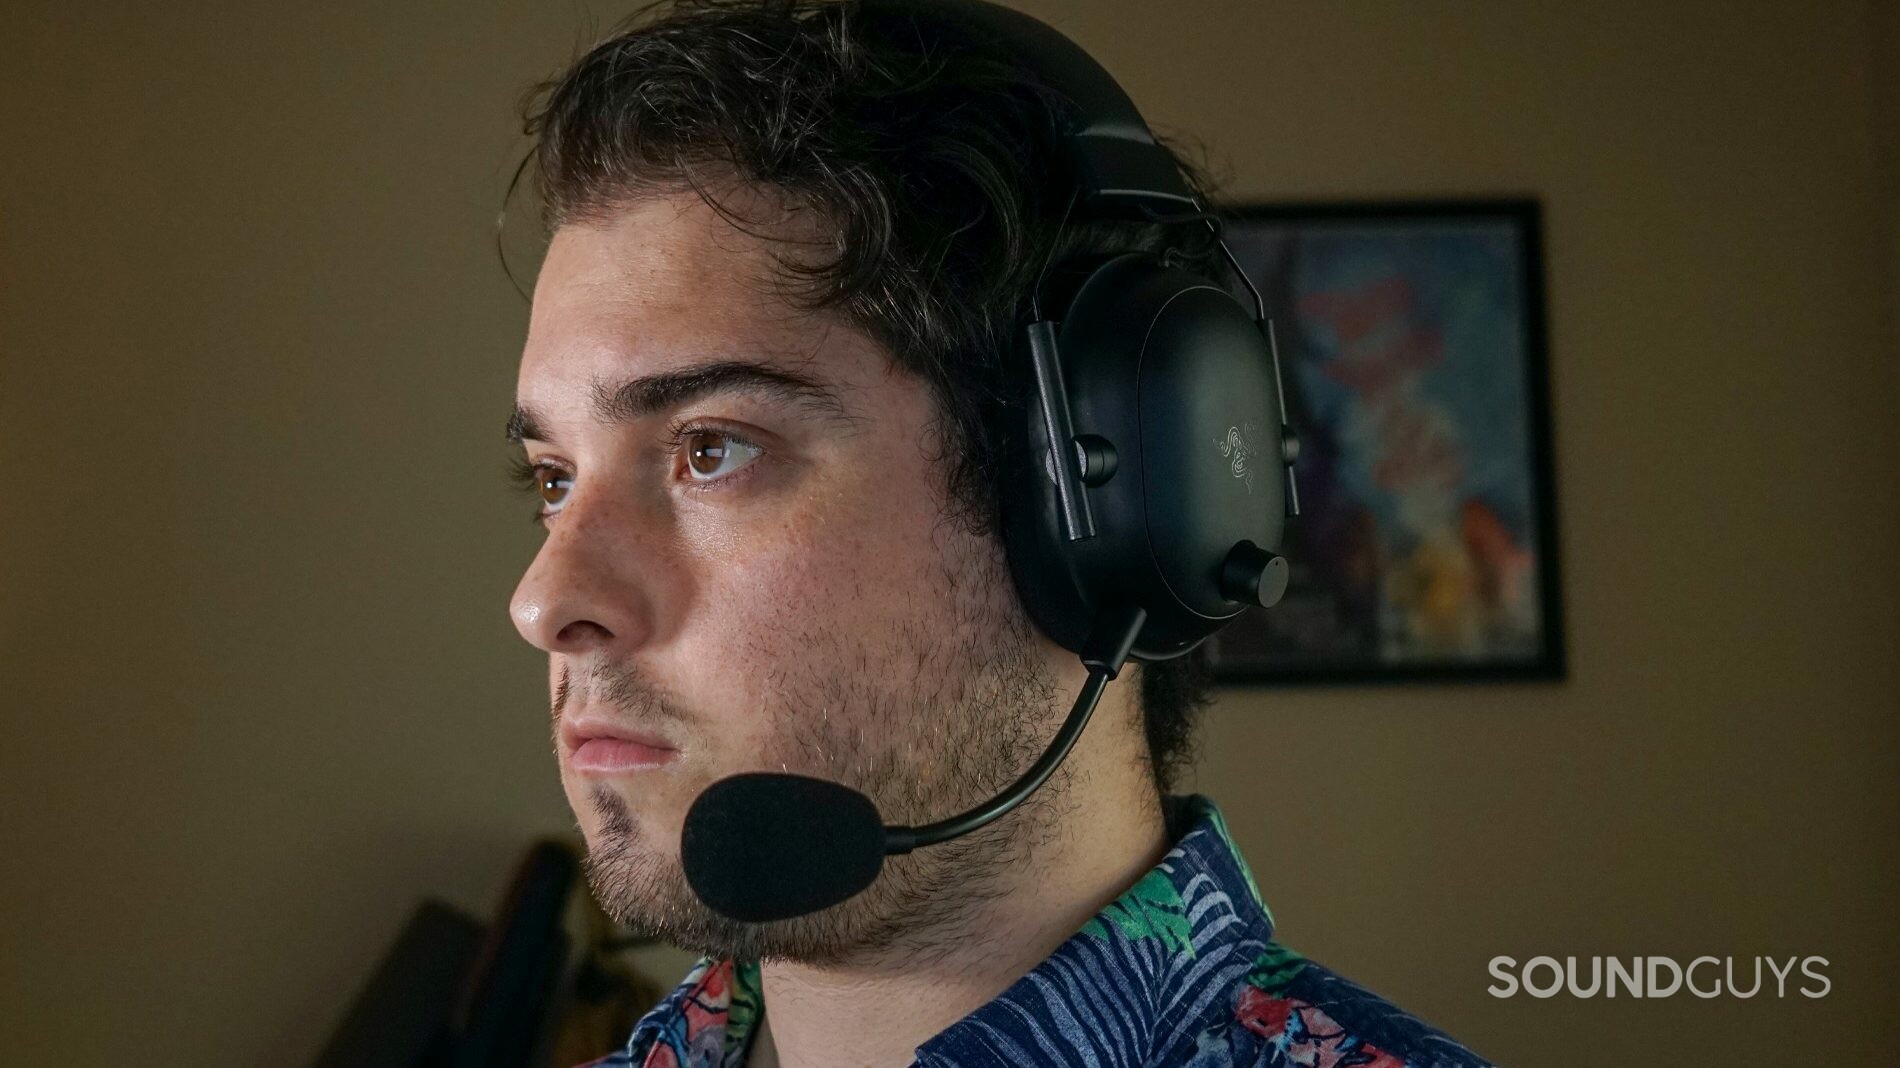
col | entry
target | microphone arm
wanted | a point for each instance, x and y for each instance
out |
(1104, 653)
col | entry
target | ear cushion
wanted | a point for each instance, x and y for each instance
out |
(1172, 374)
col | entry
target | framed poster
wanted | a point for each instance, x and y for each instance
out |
(1412, 349)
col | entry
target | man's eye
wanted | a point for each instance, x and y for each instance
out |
(712, 454)
(551, 484)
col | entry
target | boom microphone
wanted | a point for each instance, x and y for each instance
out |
(766, 846)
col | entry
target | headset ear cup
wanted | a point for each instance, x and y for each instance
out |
(1170, 380)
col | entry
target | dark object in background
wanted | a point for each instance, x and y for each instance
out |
(445, 996)
(1412, 340)
(402, 1015)
(511, 993)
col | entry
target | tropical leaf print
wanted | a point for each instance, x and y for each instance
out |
(1275, 968)
(1151, 908)
(1108, 999)
(746, 1005)
(1227, 840)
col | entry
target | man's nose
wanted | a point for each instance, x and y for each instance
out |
(590, 585)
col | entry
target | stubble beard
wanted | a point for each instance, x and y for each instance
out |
(946, 709)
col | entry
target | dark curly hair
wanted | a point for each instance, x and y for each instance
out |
(936, 163)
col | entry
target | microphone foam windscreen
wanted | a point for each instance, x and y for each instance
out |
(763, 846)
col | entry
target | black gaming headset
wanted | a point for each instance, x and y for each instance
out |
(1156, 467)
(1151, 482)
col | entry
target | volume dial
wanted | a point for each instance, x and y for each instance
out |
(1252, 575)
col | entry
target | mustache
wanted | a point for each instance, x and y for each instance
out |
(619, 687)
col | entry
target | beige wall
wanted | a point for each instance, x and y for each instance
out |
(261, 694)
(1887, 134)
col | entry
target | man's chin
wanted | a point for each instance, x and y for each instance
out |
(644, 889)
(634, 882)
(646, 892)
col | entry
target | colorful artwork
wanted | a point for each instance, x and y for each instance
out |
(1412, 346)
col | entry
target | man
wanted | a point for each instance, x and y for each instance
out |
(761, 404)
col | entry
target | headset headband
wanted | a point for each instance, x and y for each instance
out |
(1118, 167)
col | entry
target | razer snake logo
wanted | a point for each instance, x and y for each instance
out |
(1238, 449)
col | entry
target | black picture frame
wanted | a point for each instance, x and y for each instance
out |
(1414, 349)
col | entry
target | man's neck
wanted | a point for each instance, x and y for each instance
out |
(875, 1014)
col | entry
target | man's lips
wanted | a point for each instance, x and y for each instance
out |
(598, 746)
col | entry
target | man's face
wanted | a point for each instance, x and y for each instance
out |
(748, 566)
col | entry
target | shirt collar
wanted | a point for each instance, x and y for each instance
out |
(1186, 931)
(1182, 936)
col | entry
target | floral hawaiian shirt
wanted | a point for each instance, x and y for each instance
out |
(1182, 969)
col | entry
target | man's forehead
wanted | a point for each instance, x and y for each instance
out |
(663, 282)
(654, 257)
(670, 289)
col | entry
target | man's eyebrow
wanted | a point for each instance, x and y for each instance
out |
(637, 398)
